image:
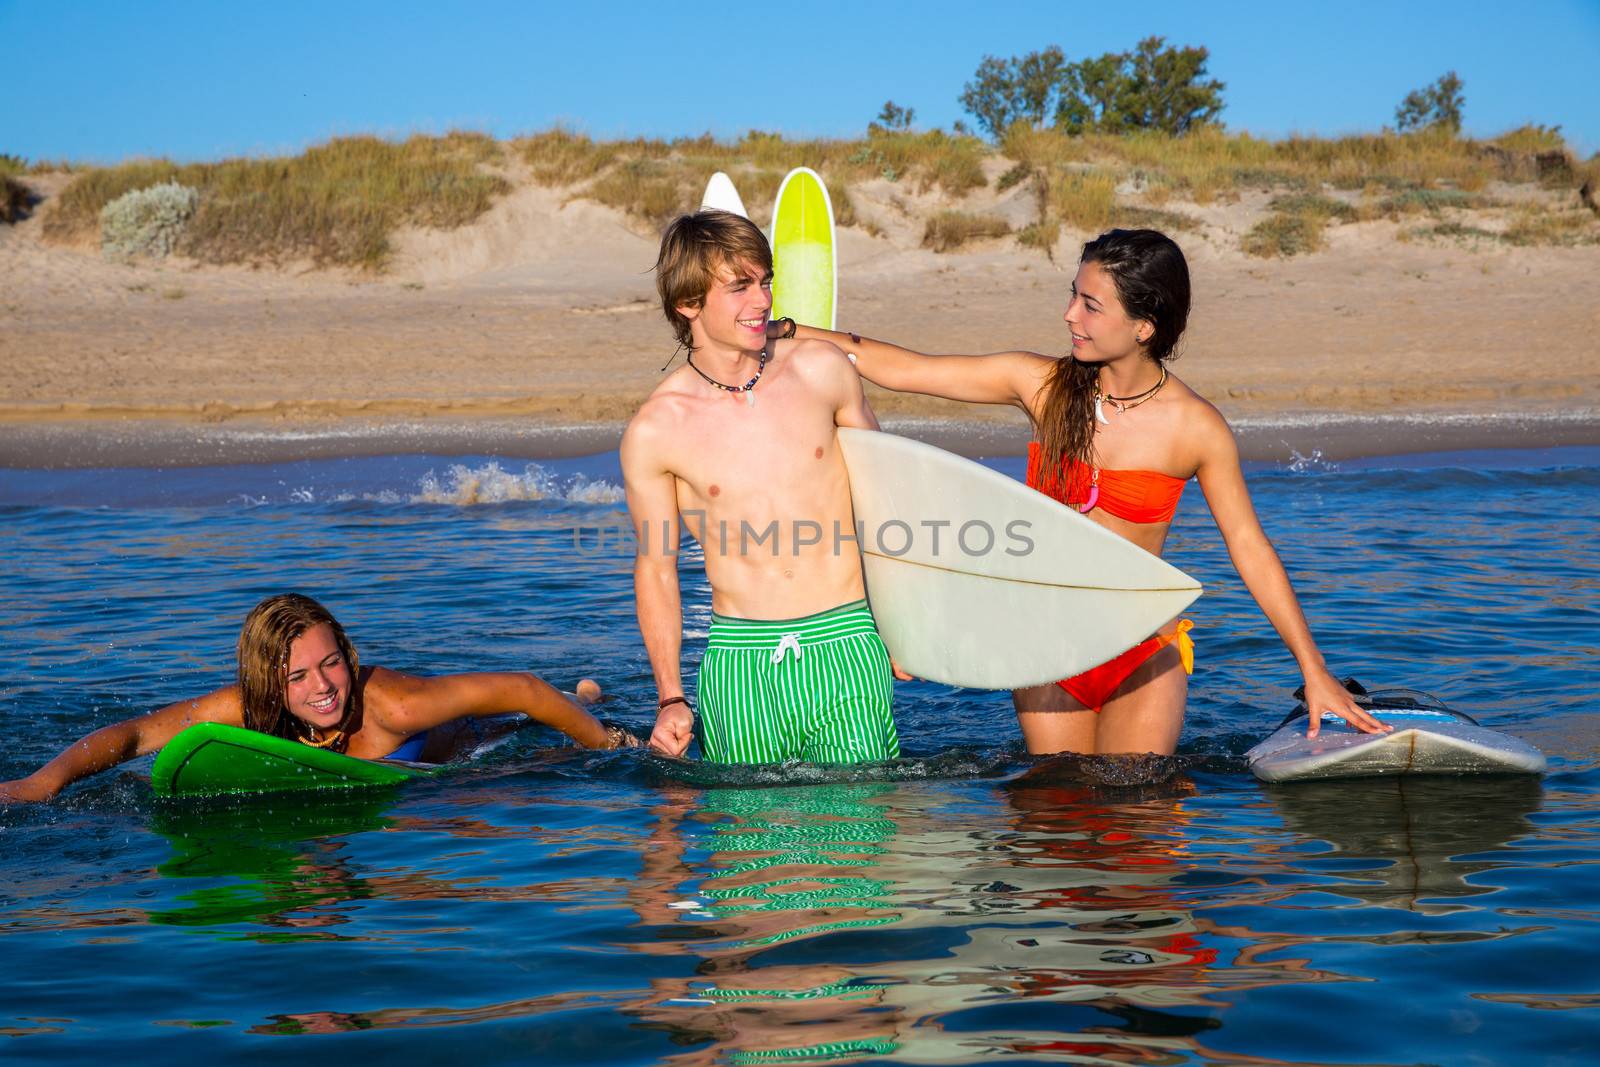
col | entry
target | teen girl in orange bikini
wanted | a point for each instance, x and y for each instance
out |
(1118, 436)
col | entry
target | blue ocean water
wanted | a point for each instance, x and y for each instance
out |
(541, 904)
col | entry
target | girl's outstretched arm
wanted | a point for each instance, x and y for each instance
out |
(1001, 378)
(1258, 564)
(122, 741)
(407, 704)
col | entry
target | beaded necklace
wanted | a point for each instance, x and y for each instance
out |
(749, 397)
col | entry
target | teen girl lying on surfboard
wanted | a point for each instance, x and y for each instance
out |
(299, 678)
(1117, 436)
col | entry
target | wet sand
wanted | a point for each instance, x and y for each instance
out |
(178, 443)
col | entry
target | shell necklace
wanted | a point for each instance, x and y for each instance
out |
(1121, 403)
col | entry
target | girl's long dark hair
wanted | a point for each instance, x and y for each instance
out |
(1152, 280)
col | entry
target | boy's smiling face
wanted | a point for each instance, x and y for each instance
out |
(734, 315)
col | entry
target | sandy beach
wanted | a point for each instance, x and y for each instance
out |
(535, 332)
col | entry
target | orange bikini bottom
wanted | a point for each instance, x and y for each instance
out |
(1096, 685)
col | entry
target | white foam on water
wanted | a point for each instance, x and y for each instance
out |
(459, 485)
(492, 484)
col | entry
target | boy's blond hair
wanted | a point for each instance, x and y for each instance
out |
(694, 248)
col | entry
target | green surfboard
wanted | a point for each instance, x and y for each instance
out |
(805, 282)
(210, 758)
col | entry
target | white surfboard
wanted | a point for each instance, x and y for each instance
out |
(721, 195)
(1428, 738)
(977, 580)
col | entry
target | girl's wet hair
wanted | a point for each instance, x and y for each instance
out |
(1152, 280)
(693, 249)
(264, 640)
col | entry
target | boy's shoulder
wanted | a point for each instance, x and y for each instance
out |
(817, 359)
(664, 409)
(670, 393)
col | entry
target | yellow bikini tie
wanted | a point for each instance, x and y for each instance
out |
(1185, 643)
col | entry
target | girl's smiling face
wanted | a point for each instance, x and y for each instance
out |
(317, 680)
(1101, 328)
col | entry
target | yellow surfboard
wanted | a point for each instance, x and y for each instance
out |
(805, 283)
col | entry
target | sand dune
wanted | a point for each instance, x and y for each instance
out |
(544, 310)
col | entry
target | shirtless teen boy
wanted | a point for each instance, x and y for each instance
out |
(739, 447)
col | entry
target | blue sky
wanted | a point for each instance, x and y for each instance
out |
(98, 81)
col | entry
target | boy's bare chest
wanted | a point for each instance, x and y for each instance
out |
(785, 439)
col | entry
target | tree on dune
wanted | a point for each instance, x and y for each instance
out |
(1154, 87)
(1438, 104)
(893, 118)
(1020, 89)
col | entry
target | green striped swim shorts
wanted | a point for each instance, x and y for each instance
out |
(817, 689)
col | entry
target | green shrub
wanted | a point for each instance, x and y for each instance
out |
(1456, 231)
(1419, 201)
(1314, 204)
(1283, 235)
(146, 222)
(336, 203)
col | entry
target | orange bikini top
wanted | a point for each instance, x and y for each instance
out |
(1136, 496)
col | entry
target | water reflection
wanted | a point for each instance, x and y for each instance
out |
(278, 863)
(851, 920)
(1412, 842)
(1047, 915)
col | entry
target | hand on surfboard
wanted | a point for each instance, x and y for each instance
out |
(1324, 693)
(899, 672)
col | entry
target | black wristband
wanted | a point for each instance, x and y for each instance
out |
(667, 703)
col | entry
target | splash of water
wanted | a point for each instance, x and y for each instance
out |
(1314, 463)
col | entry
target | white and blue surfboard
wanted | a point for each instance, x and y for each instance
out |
(1428, 738)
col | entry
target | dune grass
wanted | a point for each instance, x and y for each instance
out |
(654, 180)
(338, 204)
(949, 230)
(335, 204)
(1567, 226)
(1399, 175)
(1286, 233)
